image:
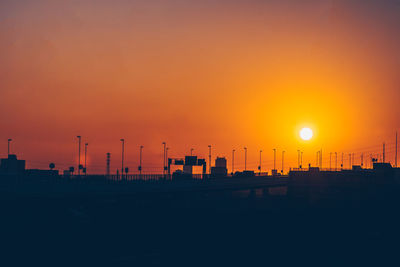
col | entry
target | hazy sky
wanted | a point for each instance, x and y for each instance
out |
(193, 73)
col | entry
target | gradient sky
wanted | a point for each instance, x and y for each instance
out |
(193, 73)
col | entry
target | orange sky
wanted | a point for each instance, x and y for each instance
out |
(193, 73)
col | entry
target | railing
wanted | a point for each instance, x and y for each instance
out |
(104, 179)
(319, 169)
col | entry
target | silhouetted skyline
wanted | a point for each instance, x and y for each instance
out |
(363, 157)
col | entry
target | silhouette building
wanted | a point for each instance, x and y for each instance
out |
(12, 165)
(219, 170)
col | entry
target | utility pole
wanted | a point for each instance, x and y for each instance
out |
(330, 161)
(316, 159)
(209, 159)
(140, 161)
(283, 160)
(233, 161)
(245, 158)
(86, 145)
(259, 166)
(8, 146)
(122, 158)
(79, 155)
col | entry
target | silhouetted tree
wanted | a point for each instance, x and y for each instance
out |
(52, 166)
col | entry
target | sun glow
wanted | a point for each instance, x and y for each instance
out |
(306, 134)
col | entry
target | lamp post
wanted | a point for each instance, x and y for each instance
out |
(274, 158)
(79, 155)
(140, 161)
(298, 158)
(350, 160)
(122, 158)
(330, 161)
(341, 165)
(320, 159)
(209, 159)
(86, 145)
(283, 160)
(8, 146)
(166, 160)
(301, 162)
(259, 166)
(164, 144)
(335, 161)
(245, 158)
(233, 161)
(362, 160)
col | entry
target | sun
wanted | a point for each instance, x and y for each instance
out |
(306, 134)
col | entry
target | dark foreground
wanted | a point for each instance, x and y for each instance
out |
(220, 228)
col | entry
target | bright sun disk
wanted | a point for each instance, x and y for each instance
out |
(306, 134)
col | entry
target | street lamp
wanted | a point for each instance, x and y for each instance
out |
(274, 158)
(301, 159)
(245, 158)
(209, 159)
(335, 161)
(259, 166)
(166, 160)
(122, 158)
(233, 161)
(79, 155)
(86, 145)
(298, 158)
(283, 158)
(164, 145)
(140, 161)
